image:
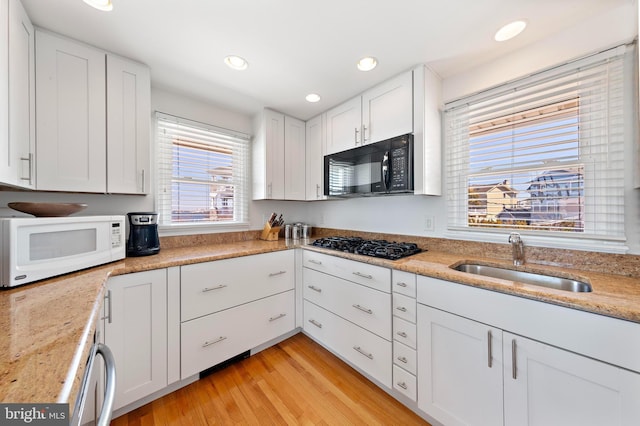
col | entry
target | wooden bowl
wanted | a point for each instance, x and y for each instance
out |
(48, 209)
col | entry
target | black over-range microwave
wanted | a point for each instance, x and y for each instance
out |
(379, 168)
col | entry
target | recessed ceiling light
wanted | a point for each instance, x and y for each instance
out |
(104, 5)
(236, 62)
(367, 63)
(312, 97)
(510, 30)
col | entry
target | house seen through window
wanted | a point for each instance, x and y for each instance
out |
(525, 171)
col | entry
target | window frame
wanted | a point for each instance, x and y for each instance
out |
(165, 179)
(564, 240)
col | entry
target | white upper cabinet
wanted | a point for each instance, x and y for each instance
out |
(387, 109)
(380, 113)
(427, 146)
(81, 97)
(278, 157)
(70, 110)
(343, 125)
(294, 159)
(17, 113)
(315, 159)
(128, 119)
(268, 156)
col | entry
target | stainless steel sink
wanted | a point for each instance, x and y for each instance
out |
(542, 280)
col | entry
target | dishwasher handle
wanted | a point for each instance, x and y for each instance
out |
(110, 385)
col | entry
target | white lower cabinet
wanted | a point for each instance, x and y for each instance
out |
(471, 373)
(215, 338)
(135, 329)
(234, 305)
(460, 368)
(367, 351)
(347, 308)
(547, 386)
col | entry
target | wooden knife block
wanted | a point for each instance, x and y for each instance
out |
(270, 233)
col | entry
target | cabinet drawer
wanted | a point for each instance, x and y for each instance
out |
(404, 307)
(405, 332)
(365, 350)
(405, 383)
(403, 283)
(372, 276)
(213, 286)
(405, 357)
(368, 308)
(214, 338)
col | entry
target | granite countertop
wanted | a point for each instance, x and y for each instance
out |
(47, 327)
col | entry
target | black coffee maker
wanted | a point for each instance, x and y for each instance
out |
(143, 234)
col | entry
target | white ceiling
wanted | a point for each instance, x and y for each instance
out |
(295, 47)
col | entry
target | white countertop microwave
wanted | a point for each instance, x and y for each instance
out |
(33, 249)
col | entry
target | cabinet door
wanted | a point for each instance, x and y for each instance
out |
(274, 154)
(70, 111)
(343, 126)
(136, 333)
(294, 159)
(315, 159)
(387, 109)
(549, 386)
(21, 96)
(459, 369)
(128, 115)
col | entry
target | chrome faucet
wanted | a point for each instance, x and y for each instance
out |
(518, 248)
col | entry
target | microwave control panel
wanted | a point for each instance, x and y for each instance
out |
(116, 235)
(399, 169)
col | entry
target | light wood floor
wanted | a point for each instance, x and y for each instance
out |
(296, 382)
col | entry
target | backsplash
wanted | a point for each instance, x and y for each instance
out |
(607, 263)
(618, 264)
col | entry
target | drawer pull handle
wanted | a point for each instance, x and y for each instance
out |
(314, 288)
(316, 323)
(213, 342)
(514, 368)
(403, 359)
(489, 354)
(275, 274)
(368, 311)
(401, 308)
(317, 262)
(359, 349)
(402, 334)
(278, 317)
(360, 274)
(403, 385)
(207, 289)
(401, 284)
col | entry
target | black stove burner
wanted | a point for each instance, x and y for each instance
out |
(374, 248)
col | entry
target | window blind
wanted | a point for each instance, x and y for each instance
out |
(543, 154)
(202, 171)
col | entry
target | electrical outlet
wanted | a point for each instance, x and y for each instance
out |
(429, 223)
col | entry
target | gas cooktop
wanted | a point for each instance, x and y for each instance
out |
(375, 248)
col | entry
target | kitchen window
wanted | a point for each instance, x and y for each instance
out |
(202, 172)
(543, 155)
